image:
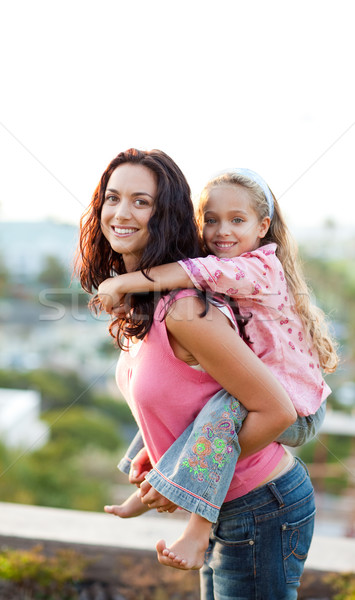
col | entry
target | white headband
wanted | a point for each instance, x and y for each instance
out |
(260, 181)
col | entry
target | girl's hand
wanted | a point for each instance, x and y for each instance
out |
(151, 498)
(140, 466)
(110, 295)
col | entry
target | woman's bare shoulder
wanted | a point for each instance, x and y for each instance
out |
(188, 311)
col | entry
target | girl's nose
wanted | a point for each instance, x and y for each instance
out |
(224, 228)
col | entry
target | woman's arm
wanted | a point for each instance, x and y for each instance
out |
(213, 343)
(165, 277)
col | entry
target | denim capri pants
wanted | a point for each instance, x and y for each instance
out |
(259, 545)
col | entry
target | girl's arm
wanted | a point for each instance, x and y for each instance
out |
(223, 354)
(243, 276)
(111, 292)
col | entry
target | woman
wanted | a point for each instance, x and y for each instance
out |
(140, 216)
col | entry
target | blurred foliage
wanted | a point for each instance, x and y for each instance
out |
(60, 390)
(333, 283)
(77, 428)
(57, 389)
(82, 426)
(344, 584)
(4, 278)
(119, 411)
(329, 450)
(56, 476)
(68, 294)
(37, 576)
(53, 273)
(337, 447)
(108, 348)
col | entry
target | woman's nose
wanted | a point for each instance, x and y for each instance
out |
(123, 210)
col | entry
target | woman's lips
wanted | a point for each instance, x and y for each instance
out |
(124, 231)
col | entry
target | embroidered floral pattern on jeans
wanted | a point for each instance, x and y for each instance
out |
(214, 445)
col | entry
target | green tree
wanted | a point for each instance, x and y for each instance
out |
(78, 428)
(53, 273)
(76, 468)
(57, 390)
(63, 472)
(4, 279)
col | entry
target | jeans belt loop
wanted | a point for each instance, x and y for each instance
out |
(275, 492)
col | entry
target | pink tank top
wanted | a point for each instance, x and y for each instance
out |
(165, 395)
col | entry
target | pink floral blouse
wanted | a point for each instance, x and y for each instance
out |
(257, 281)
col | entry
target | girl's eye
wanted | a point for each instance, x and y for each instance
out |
(210, 221)
(237, 220)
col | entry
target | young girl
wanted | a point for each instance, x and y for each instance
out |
(254, 261)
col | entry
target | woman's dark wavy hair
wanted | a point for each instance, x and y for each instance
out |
(173, 235)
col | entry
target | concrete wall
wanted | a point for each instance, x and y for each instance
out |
(122, 552)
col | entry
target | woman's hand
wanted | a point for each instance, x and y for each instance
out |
(153, 499)
(110, 295)
(140, 467)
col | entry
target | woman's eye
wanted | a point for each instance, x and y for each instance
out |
(141, 202)
(111, 199)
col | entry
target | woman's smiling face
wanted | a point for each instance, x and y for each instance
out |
(127, 208)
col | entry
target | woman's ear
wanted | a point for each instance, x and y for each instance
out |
(264, 227)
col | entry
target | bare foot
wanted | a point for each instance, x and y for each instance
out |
(132, 507)
(188, 552)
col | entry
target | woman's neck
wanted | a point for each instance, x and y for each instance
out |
(130, 263)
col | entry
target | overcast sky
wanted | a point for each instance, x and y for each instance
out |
(267, 85)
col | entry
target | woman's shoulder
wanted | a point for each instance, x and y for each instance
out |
(191, 313)
(178, 301)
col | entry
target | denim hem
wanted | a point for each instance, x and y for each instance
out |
(182, 497)
(124, 465)
(303, 429)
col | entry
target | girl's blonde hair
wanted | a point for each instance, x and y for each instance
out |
(312, 317)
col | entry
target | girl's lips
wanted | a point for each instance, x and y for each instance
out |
(225, 244)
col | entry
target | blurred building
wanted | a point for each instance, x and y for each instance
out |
(23, 246)
(20, 425)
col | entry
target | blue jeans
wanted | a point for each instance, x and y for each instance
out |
(260, 542)
(196, 471)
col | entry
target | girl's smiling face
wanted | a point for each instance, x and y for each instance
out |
(230, 224)
(127, 208)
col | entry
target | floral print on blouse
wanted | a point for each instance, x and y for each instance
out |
(257, 281)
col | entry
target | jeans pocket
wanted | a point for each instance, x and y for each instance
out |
(235, 531)
(296, 540)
